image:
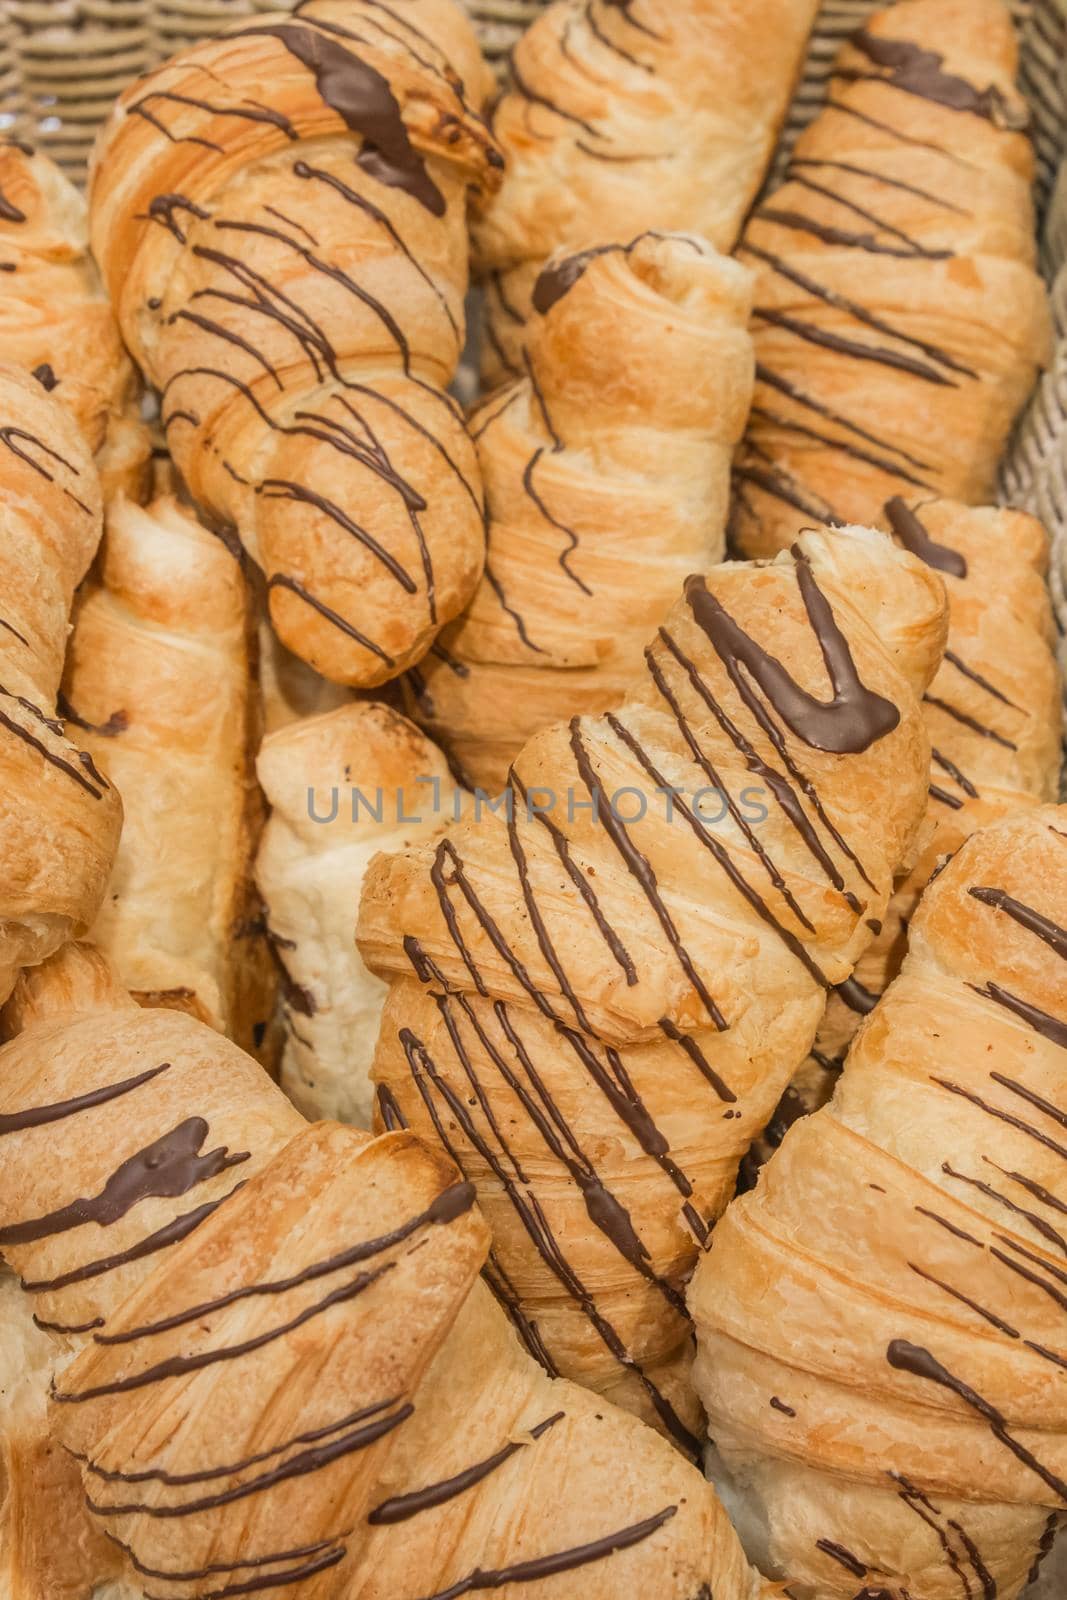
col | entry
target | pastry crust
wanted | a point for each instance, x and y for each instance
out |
(593, 1016)
(342, 787)
(899, 321)
(59, 816)
(280, 216)
(662, 113)
(158, 682)
(606, 473)
(55, 319)
(310, 1391)
(880, 1322)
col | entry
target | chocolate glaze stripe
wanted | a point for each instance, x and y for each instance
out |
(879, 223)
(276, 1580)
(983, 683)
(170, 1166)
(94, 789)
(427, 1080)
(640, 869)
(711, 773)
(841, 302)
(14, 438)
(450, 1204)
(402, 1507)
(221, 1566)
(858, 999)
(843, 1557)
(177, 1366)
(1045, 1229)
(569, 534)
(298, 1466)
(282, 489)
(775, 380)
(9, 627)
(506, 1295)
(913, 536)
(39, 1116)
(957, 1294)
(906, 1357)
(954, 773)
(916, 71)
(720, 854)
(1033, 921)
(996, 1111)
(847, 724)
(561, 1561)
(171, 1233)
(282, 580)
(612, 44)
(970, 722)
(688, 1044)
(779, 786)
(537, 921)
(879, 177)
(1048, 1026)
(1036, 1278)
(231, 1469)
(775, 419)
(924, 1509)
(1031, 1097)
(811, 334)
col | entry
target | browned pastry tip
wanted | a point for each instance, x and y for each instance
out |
(280, 215)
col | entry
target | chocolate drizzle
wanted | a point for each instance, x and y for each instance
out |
(920, 72)
(40, 1116)
(402, 1507)
(914, 537)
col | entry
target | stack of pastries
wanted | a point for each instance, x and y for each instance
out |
(534, 1008)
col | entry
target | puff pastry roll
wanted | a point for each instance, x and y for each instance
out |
(600, 990)
(280, 217)
(59, 815)
(55, 319)
(158, 682)
(341, 786)
(302, 1389)
(606, 474)
(660, 112)
(899, 321)
(881, 1322)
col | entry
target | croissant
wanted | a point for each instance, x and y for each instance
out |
(662, 112)
(880, 1323)
(280, 216)
(994, 716)
(899, 322)
(158, 681)
(341, 787)
(606, 473)
(302, 1388)
(59, 816)
(598, 996)
(55, 319)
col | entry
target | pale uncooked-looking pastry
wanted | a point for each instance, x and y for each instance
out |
(881, 1322)
(341, 787)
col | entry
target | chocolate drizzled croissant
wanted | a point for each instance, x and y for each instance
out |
(60, 817)
(606, 474)
(662, 113)
(290, 1380)
(158, 683)
(600, 989)
(280, 216)
(881, 1323)
(994, 716)
(899, 321)
(54, 316)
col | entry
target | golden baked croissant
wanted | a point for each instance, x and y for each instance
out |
(341, 787)
(899, 321)
(593, 1015)
(289, 1377)
(994, 717)
(280, 217)
(645, 114)
(158, 682)
(606, 474)
(881, 1322)
(59, 816)
(54, 316)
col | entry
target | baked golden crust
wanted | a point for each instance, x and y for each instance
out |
(280, 216)
(59, 816)
(606, 474)
(594, 1016)
(309, 1391)
(55, 319)
(662, 113)
(341, 786)
(899, 322)
(880, 1322)
(158, 681)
